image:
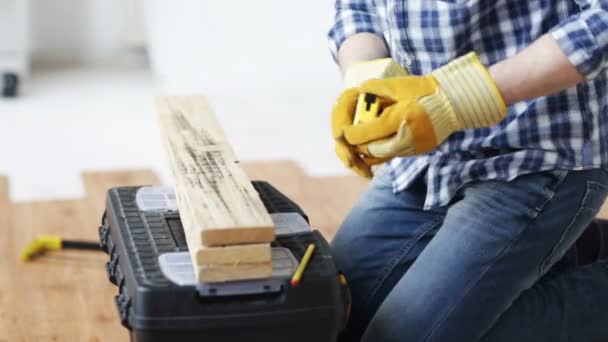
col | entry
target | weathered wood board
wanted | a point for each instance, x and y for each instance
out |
(213, 190)
(253, 253)
(220, 273)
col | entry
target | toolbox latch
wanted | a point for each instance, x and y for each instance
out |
(111, 268)
(104, 231)
(123, 304)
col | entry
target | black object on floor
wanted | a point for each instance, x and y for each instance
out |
(81, 245)
(10, 84)
(154, 308)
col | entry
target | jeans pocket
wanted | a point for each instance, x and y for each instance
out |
(593, 199)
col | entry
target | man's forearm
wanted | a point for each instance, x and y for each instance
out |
(540, 69)
(361, 47)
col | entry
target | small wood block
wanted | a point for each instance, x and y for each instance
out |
(379, 68)
(221, 273)
(231, 255)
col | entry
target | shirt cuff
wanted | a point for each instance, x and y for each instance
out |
(584, 40)
(350, 21)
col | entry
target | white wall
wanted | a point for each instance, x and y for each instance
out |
(77, 30)
(253, 41)
(264, 65)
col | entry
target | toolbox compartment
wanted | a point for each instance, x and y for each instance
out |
(155, 309)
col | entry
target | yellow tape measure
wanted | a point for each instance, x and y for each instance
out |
(368, 105)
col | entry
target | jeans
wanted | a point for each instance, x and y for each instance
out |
(476, 269)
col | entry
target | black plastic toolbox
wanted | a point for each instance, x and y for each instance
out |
(155, 309)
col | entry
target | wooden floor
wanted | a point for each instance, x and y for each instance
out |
(66, 296)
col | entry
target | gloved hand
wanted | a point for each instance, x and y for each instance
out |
(342, 117)
(346, 105)
(425, 110)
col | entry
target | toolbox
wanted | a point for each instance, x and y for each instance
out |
(159, 300)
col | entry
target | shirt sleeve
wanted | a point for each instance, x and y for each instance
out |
(352, 17)
(584, 39)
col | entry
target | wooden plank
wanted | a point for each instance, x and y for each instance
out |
(220, 273)
(3, 191)
(8, 302)
(285, 175)
(338, 194)
(217, 202)
(252, 253)
(48, 293)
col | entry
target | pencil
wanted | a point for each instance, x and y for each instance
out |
(305, 259)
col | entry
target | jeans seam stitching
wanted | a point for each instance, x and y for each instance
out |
(561, 238)
(468, 289)
(472, 285)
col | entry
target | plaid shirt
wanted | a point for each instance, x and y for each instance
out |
(568, 130)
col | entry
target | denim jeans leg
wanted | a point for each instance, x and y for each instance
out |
(495, 243)
(376, 244)
(569, 307)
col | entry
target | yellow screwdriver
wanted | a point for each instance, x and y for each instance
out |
(43, 243)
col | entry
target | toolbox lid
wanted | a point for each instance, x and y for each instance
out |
(163, 199)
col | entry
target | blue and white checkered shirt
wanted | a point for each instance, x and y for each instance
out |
(568, 130)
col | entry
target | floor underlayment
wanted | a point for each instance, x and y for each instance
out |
(66, 296)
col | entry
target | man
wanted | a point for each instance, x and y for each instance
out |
(497, 164)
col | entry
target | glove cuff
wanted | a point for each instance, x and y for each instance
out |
(471, 91)
(445, 123)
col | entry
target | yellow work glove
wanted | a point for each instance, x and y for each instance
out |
(344, 110)
(342, 117)
(424, 110)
